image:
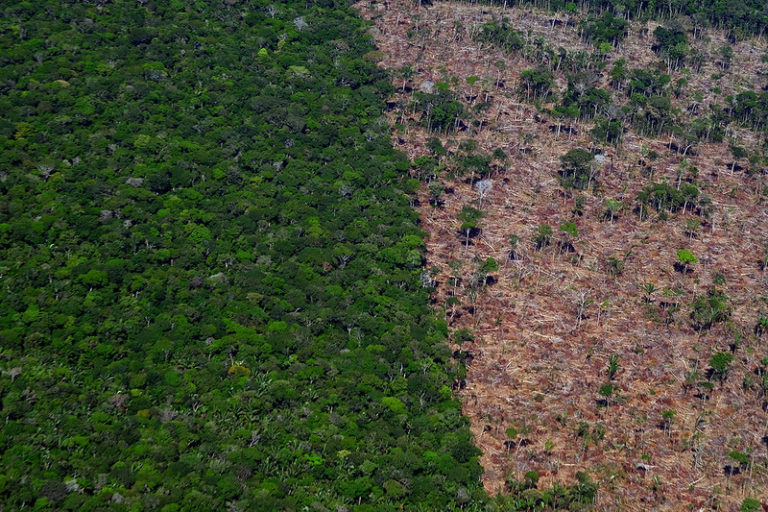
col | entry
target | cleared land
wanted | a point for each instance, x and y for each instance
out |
(671, 432)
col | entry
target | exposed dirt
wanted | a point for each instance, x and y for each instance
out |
(550, 319)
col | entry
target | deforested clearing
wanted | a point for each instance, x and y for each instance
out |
(604, 283)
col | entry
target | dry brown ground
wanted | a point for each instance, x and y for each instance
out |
(537, 364)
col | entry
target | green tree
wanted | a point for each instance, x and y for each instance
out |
(536, 84)
(685, 259)
(488, 266)
(570, 234)
(721, 364)
(578, 171)
(612, 208)
(710, 309)
(543, 236)
(667, 416)
(606, 29)
(613, 366)
(671, 43)
(470, 218)
(513, 240)
(726, 56)
(618, 74)
(607, 391)
(649, 289)
(436, 191)
(738, 153)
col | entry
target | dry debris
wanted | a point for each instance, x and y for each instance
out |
(549, 322)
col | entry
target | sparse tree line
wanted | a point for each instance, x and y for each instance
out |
(741, 18)
(612, 99)
(640, 98)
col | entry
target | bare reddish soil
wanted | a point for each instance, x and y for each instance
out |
(550, 319)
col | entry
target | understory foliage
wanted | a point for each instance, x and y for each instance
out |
(525, 495)
(211, 272)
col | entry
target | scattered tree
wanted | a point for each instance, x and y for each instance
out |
(613, 366)
(543, 236)
(470, 218)
(710, 309)
(578, 171)
(721, 364)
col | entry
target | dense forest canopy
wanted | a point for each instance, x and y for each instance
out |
(211, 268)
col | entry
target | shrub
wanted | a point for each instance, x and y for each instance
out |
(710, 309)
